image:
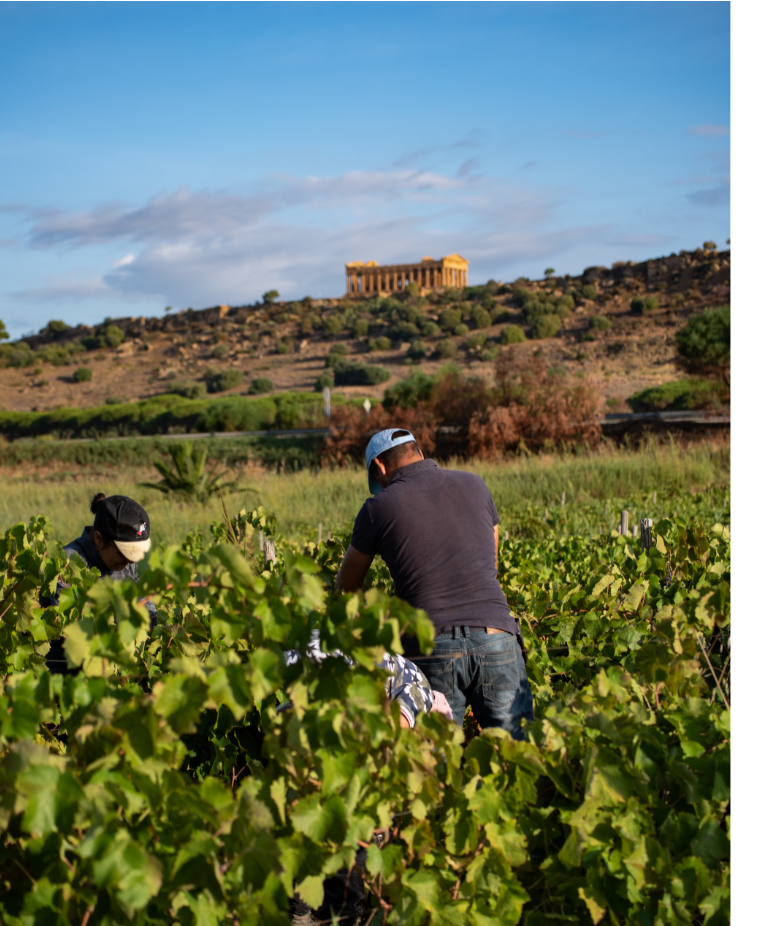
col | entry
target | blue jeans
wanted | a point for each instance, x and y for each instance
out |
(486, 670)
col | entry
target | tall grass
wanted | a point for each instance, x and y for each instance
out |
(333, 497)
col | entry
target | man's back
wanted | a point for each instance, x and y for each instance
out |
(434, 528)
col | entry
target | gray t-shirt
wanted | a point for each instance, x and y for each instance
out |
(434, 529)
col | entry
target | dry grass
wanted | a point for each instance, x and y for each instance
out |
(333, 497)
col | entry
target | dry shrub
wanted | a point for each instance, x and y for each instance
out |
(351, 429)
(531, 406)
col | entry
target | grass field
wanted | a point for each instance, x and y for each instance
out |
(596, 485)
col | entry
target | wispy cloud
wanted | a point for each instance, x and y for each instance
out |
(466, 168)
(710, 131)
(472, 140)
(528, 164)
(714, 196)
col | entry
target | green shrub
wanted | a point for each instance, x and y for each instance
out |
(703, 345)
(678, 299)
(113, 336)
(325, 379)
(481, 318)
(190, 390)
(285, 345)
(270, 296)
(590, 291)
(21, 355)
(55, 328)
(588, 336)
(547, 326)
(477, 341)
(600, 322)
(220, 350)
(446, 349)
(405, 331)
(512, 334)
(93, 342)
(488, 300)
(450, 319)
(360, 328)
(452, 294)
(430, 329)
(224, 380)
(382, 343)
(500, 314)
(259, 385)
(333, 324)
(408, 392)
(82, 375)
(650, 303)
(417, 350)
(360, 374)
(566, 301)
(490, 354)
(460, 330)
(336, 355)
(237, 413)
(684, 394)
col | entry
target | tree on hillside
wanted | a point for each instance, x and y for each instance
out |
(3, 333)
(550, 272)
(270, 296)
(703, 345)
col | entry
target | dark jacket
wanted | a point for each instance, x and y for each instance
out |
(86, 550)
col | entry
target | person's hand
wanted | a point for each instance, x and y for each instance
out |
(441, 705)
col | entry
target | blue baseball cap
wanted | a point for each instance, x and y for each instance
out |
(380, 443)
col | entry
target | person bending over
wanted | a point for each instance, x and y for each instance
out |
(437, 531)
(119, 537)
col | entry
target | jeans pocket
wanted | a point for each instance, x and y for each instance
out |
(500, 673)
(438, 672)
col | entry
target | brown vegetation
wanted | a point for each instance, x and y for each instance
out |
(530, 405)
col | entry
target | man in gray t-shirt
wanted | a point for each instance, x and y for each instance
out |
(437, 532)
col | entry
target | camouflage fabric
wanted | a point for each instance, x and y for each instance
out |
(406, 683)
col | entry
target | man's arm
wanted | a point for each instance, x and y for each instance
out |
(353, 570)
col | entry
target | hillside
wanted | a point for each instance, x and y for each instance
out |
(617, 324)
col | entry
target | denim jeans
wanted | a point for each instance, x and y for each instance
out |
(486, 670)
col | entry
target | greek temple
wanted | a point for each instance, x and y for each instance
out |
(369, 278)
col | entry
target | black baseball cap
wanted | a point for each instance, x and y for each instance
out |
(122, 520)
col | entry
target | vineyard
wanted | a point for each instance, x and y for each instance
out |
(155, 780)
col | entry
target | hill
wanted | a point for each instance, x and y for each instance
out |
(617, 324)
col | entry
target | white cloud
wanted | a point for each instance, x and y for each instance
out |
(123, 261)
(710, 131)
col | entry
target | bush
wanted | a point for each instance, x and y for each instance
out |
(224, 380)
(417, 350)
(452, 294)
(270, 296)
(360, 374)
(93, 342)
(55, 328)
(600, 322)
(481, 318)
(565, 301)
(259, 385)
(220, 350)
(446, 349)
(21, 355)
(285, 345)
(685, 394)
(360, 328)
(430, 330)
(547, 326)
(460, 330)
(703, 345)
(405, 331)
(477, 341)
(333, 324)
(589, 291)
(82, 375)
(644, 304)
(113, 336)
(512, 334)
(336, 355)
(190, 390)
(408, 392)
(678, 299)
(382, 343)
(325, 379)
(500, 314)
(236, 413)
(450, 319)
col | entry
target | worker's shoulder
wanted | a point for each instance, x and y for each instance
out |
(461, 477)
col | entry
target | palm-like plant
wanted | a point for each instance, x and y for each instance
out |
(188, 477)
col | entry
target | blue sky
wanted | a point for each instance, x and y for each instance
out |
(178, 154)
